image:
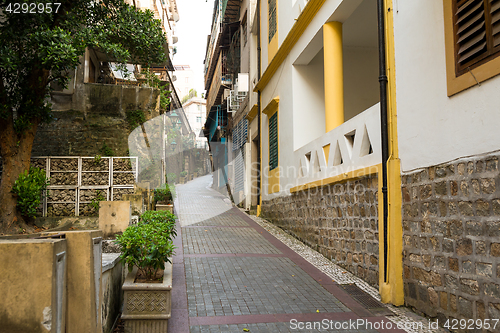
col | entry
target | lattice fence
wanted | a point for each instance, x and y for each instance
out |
(78, 183)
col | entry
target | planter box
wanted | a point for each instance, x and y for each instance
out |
(147, 306)
(170, 208)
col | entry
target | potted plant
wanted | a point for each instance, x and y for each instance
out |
(182, 177)
(164, 198)
(146, 248)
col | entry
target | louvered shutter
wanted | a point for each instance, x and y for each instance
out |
(495, 21)
(273, 26)
(477, 32)
(273, 141)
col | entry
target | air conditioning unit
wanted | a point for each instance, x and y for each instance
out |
(235, 99)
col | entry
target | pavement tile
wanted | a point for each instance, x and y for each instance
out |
(253, 285)
(225, 240)
(273, 328)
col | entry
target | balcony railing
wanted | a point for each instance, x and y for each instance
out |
(220, 77)
(349, 147)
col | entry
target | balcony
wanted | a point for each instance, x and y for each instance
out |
(220, 78)
(352, 146)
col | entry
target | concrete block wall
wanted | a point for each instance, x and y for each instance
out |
(451, 238)
(339, 220)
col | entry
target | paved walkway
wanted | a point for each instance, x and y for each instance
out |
(231, 275)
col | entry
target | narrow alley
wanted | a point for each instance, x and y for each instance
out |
(231, 275)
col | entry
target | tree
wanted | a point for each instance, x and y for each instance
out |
(39, 48)
(192, 93)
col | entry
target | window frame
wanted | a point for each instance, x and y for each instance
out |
(491, 50)
(482, 70)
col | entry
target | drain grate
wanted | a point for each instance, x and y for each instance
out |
(366, 300)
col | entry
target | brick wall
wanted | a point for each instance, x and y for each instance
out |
(451, 229)
(339, 220)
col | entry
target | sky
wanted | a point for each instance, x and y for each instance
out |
(193, 27)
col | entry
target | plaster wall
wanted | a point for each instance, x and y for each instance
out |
(361, 86)
(308, 101)
(432, 127)
(28, 285)
(83, 281)
(114, 216)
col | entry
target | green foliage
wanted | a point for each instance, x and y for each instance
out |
(97, 160)
(38, 49)
(164, 99)
(184, 173)
(192, 93)
(95, 202)
(148, 245)
(151, 79)
(135, 118)
(166, 194)
(171, 177)
(106, 150)
(29, 188)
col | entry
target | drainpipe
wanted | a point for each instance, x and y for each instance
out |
(383, 120)
(259, 178)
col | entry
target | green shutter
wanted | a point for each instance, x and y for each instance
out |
(273, 141)
(272, 19)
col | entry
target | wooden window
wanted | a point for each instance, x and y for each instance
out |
(476, 25)
(272, 19)
(273, 141)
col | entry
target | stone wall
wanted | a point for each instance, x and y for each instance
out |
(339, 220)
(451, 230)
(97, 118)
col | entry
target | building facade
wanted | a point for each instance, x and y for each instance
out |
(196, 113)
(369, 133)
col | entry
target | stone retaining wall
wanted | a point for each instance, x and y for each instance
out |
(339, 220)
(451, 229)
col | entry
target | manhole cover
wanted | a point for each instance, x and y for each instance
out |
(366, 300)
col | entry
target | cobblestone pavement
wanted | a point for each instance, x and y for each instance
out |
(231, 275)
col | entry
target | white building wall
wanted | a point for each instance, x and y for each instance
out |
(195, 109)
(299, 86)
(432, 127)
(184, 82)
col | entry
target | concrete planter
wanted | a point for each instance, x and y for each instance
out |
(163, 206)
(181, 180)
(147, 306)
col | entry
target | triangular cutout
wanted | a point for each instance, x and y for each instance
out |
(366, 145)
(326, 153)
(349, 138)
(316, 165)
(337, 157)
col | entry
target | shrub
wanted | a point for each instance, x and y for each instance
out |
(166, 194)
(29, 188)
(105, 150)
(148, 245)
(184, 173)
(98, 198)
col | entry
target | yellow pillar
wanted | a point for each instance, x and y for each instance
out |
(334, 75)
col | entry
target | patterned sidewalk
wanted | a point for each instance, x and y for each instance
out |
(231, 275)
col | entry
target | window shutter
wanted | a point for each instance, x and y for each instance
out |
(477, 32)
(495, 21)
(273, 141)
(272, 19)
